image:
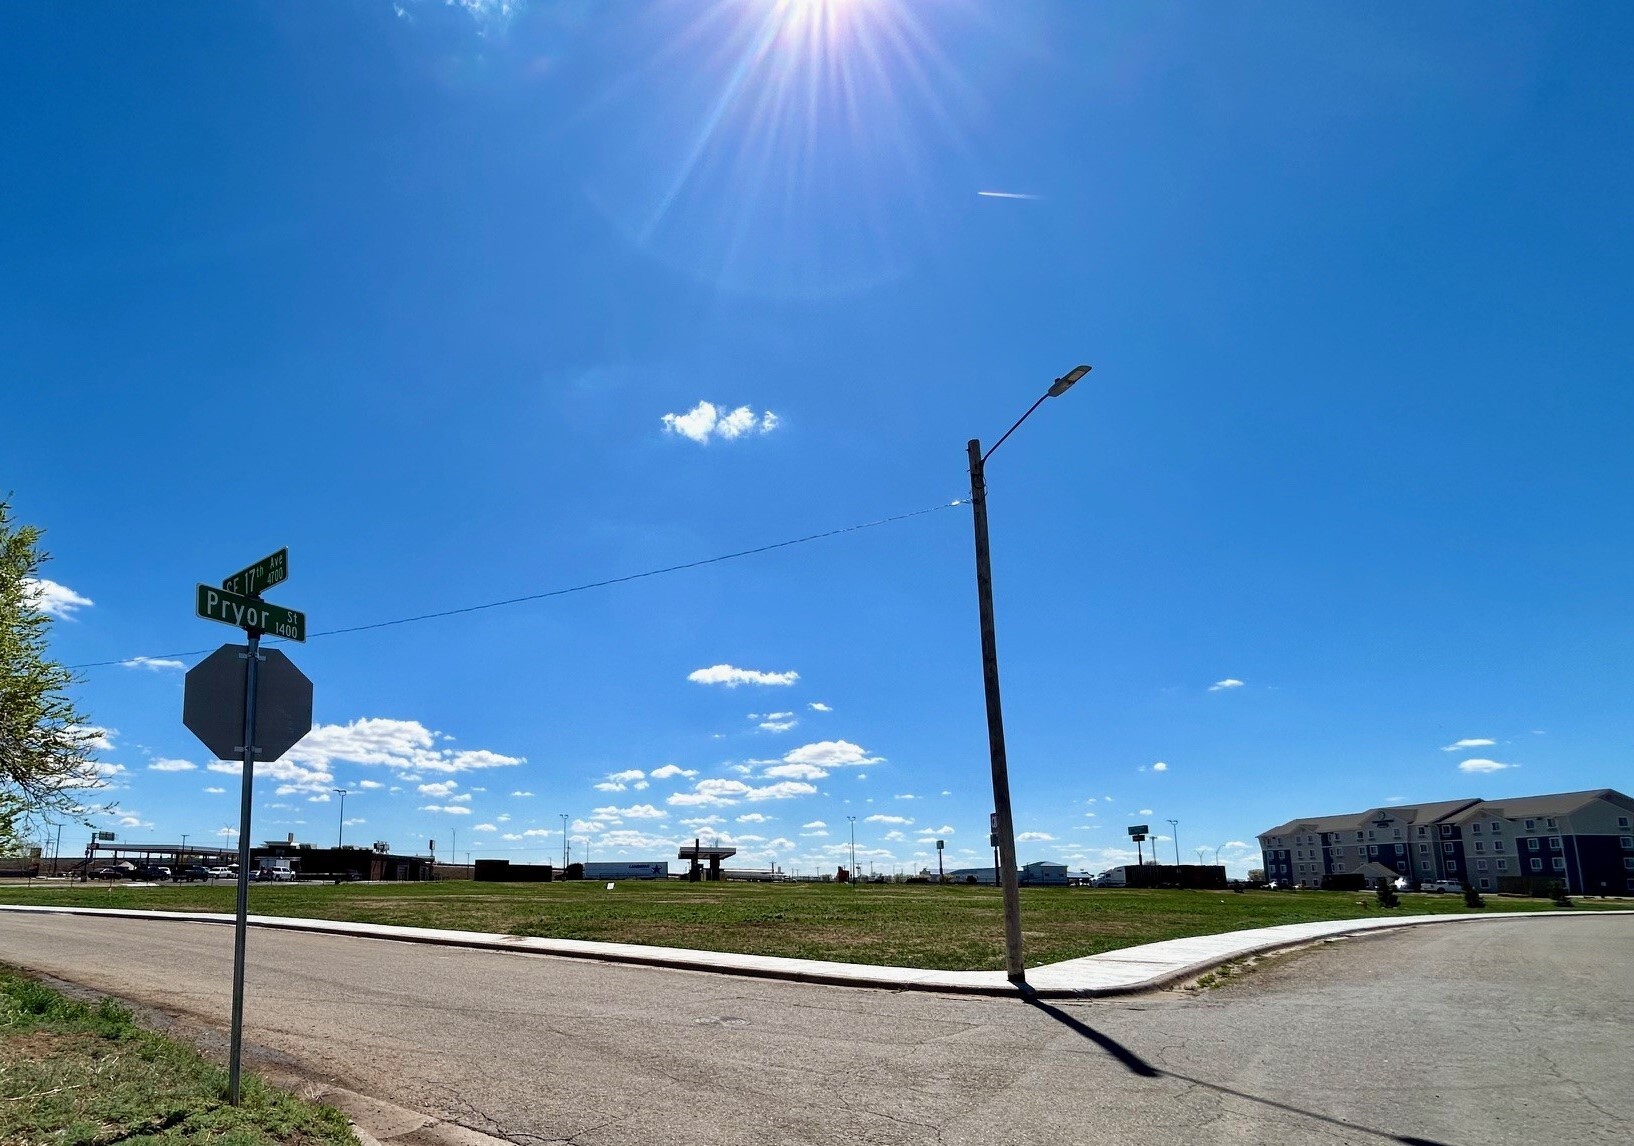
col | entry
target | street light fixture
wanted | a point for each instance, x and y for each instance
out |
(1174, 827)
(853, 820)
(340, 832)
(1014, 968)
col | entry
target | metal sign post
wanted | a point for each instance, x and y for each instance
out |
(226, 720)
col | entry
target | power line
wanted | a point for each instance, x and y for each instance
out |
(588, 585)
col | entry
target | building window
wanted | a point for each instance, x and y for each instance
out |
(1370, 833)
(1503, 865)
(1480, 865)
(1537, 864)
(1530, 824)
(1424, 865)
(1452, 865)
(1531, 843)
(1444, 847)
(1446, 829)
(1497, 845)
(1554, 841)
(1622, 822)
(1475, 828)
(1336, 867)
(1479, 846)
(1420, 831)
(1626, 841)
(1485, 883)
(1372, 849)
(1424, 849)
(1628, 861)
(1549, 821)
(1395, 833)
(1358, 834)
(1496, 826)
(1560, 863)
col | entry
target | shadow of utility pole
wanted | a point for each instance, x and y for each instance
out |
(1137, 1065)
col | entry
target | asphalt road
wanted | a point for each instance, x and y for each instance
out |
(1475, 1034)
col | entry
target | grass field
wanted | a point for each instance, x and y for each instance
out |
(81, 1074)
(911, 925)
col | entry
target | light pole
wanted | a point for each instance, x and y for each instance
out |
(1174, 827)
(990, 680)
(340, 832)
(853, 820)
(564, 842)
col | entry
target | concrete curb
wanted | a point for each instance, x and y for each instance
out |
(1122, 972)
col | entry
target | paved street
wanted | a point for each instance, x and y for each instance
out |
(1469, 1034)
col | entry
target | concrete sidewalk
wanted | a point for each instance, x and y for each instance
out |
(1120, 972)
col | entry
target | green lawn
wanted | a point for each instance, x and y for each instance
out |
(913, 925)
(78, 1074)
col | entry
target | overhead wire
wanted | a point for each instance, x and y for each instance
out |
(563, 592)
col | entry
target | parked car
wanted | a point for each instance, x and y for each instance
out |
(223, 873)
(1443, 885)
(114, 872)
(193, 872)
(153, 871)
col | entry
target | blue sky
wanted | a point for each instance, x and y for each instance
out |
(432, 294)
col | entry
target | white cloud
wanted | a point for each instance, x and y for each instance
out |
(818, 832)
(1145, 812)
(755, 818)
(1479, 765)
(905, 796)
(634, 812)
(538, 832)
(510, 836)
(173, 765)
(944, 830)
(406, 745)
(1471, 742)
(703, 821)
(227, 833)
(795, 772)
(484, 828)
(668, 770)
(777, 725)
(632, 839)
(831, 754)
(719, 793)
(819, 706)
(522, 795)
(1160, 767)
(706, 420)
(895, 837)
(462, 798)
(1033, 837)
(447, 809)
(815, 824)
(587, 827)
(503, 817)
(215, 791)
(54, 600)
(369, 785)
(440, 789)
(731, 676)
(153, 664)
(877, 819)
(1228, 682)
(99, 739)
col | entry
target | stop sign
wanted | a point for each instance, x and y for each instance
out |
(213, 703)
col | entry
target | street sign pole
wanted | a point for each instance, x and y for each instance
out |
(241, 916)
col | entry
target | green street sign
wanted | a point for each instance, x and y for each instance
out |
(251, 615)
(261, 576)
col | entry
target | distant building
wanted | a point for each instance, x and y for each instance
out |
(985, 875)
(1042, 873)
(1582, 839)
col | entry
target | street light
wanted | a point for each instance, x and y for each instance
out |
(990, 680)
(340, 832)
(853, 820)
(564, 843)
(1174, 826)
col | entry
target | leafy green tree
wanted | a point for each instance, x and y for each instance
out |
(46, 745)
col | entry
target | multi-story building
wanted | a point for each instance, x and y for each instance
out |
(1584, 839)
